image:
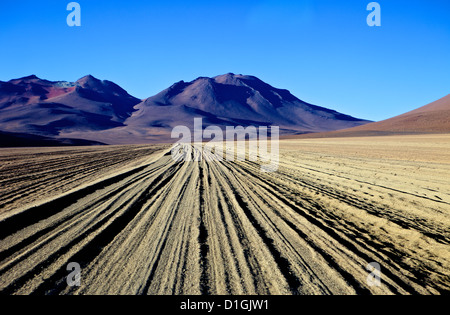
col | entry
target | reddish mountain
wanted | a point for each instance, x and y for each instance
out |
(231, 100)
(35, 106)
(102, 111)
(431, 118)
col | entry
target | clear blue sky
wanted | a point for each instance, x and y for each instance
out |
(321, 50)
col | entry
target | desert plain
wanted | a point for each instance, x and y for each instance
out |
(139, 222)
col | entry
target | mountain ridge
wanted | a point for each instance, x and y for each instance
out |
(234, 98)
(46, 108)
(102, 111)
(433, 118)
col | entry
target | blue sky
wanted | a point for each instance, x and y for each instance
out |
(321, 50)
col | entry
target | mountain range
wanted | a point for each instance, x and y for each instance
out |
(35, 111)
(99, 111)
(45, 108)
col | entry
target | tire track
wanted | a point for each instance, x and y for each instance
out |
(114, 223)
(315, 215)
(197, 227)
(349, 245)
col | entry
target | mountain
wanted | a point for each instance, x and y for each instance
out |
(40, 107)
(102, 111)
(231, 100)
(431, 118)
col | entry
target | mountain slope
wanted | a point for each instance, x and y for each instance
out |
(431, 118)
(102, 111)
(231, 100)
(35, 106)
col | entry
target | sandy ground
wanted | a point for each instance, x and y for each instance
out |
(139, 222)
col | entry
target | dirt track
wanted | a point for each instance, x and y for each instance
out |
(141, 223)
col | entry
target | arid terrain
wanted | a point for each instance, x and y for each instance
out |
(139, 222)
(433, 118)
